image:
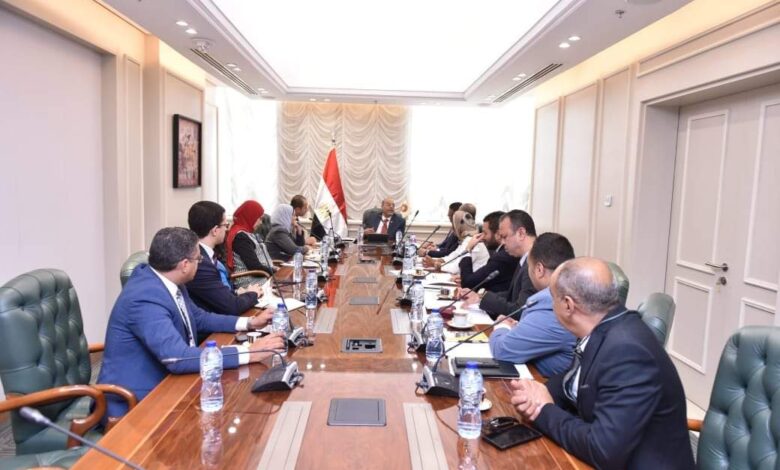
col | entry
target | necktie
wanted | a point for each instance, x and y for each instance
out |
(384, 226)
(223, 273)
(184, 317)
(571, 374)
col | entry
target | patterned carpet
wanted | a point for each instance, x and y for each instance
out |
(7, 446)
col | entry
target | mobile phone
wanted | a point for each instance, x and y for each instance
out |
(512, 436)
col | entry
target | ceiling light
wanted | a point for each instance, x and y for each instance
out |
(327, 99)
(574, 38)
(517, 78)
(263, 92)
(564, 45)
(312, 99)
(182, 23)
(191, 31)
(236, 69)
(231, 65)
(522, 75)
(261, 89)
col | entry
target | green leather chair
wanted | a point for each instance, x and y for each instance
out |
(741, 427)
(622, 281)
(44, 361)
(657, 311)
(136, 259)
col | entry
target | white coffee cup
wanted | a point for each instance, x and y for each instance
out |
(460, 318)
(253, 336)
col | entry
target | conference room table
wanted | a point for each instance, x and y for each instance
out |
(168, 430)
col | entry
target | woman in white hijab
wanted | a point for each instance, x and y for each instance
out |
(280, 241)
(464, 227)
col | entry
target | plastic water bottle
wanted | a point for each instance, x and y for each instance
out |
(436, 322)
(310, 317)
(469, 416)
(360, 237)
(211, 395)
(298, 266)
(398, 237)
(413, 241)
(311, 289)
(280, 322)
(324, 252)
(434, 346)
(417, 293)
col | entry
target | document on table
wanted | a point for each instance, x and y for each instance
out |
(479, 350)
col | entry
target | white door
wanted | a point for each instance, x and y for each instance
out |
(723, 261)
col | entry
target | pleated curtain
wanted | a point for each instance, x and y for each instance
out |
(371, 144)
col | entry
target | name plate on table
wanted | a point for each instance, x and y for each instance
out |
(401, 324)
(370, 300)
(326, 320)
(425, 447)
(364, 280)
(284, 444)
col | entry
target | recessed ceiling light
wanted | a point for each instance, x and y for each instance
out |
(230, 65)
(191, 31)
(263, 92)
(326, 99)
(517, 78)
(423, 103)
(574, 38)
(312, 99)
(564, 45)
(522, 75)
(236, 69)
(182, 23)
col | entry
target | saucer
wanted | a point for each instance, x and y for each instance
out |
(467, 326)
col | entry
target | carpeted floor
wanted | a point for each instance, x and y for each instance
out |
(7, 446)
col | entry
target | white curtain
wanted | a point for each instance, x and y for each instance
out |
(371, 146)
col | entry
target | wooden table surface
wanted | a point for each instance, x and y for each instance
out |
(168, 430)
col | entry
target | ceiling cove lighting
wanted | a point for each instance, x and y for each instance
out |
(182, 23)
(564, 45)
(574, 38)
(192, 31)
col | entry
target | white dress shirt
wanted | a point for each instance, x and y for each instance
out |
(479, 257)
(381, 221)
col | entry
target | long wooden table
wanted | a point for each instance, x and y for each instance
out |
(167, 429)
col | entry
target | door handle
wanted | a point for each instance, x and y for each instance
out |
(723, 267)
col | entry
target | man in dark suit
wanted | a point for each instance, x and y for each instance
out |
(518, 232)
(500, 260)
(155, 319)
(449, 243)
(385, 222)
(211, 288)
(621, 404)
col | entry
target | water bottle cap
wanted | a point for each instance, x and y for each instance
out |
(434, 310)
(471, 365)
(211, 344)
(280, 306)
(418, 281)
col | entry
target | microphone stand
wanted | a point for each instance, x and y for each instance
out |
(443, 384)
(35, 416)
(285, 376)
(295, 337)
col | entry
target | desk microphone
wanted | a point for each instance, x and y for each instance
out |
(418, 340)
(283, 377)
(337, 241)
(406, 229)
(430, 235)
(35, 416)
(443, 384)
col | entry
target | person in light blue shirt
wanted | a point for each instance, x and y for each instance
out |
(538, 338)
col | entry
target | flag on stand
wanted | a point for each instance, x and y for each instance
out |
(330, 204)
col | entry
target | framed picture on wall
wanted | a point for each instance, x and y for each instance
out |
(186, 152)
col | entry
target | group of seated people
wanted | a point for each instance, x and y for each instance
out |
(613, 398)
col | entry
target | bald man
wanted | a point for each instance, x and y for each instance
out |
(386, 222)
(622, 404)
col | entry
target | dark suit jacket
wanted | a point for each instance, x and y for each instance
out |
(446, 246)
(502, 303)
(397, 223)
(211, 295)
(282, 244)
(144, 328)
(630, 411)
(500, 260)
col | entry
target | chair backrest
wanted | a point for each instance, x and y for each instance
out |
(369, 213)
(622, 281)
(42, 342)
(657, 312)
(136, 259)
(264, 227)
(741, 427)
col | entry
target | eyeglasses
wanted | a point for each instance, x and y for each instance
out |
(198, 260)
(499, 424)
(226, 225)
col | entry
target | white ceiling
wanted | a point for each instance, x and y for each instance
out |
(423, 52)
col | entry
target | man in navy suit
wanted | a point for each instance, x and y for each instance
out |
(386, 222)
(621, 404)
(449, 243)
(211, 288)
(155, 319)
(500, 260)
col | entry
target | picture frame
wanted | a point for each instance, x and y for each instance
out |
(187, 139)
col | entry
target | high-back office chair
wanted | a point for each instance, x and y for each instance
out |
(657, 311)
(740, 429)
(44, 361)
(622, 281)
(136, 259)
(369, 214)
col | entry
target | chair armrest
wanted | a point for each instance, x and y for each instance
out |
(79, 426)
(694, 425)
(96, 347)
(256, 273)
(122, 392)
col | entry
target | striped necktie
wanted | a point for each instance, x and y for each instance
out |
(571, 374)
(184, 316)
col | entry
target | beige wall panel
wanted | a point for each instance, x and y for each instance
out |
(579, 121)
(611, 167)
(135, 164)
(545, 167)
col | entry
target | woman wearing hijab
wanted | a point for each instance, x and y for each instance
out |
(281, 243)
(464, 228)
(244, 249)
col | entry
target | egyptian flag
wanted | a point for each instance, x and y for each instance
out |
(330, 203)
